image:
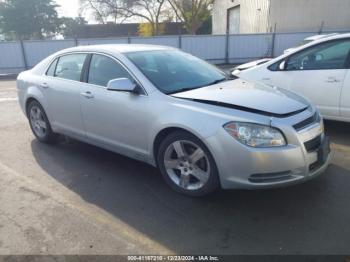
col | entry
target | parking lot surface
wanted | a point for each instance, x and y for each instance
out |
(73, 198)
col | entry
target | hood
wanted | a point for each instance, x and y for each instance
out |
(248, 96)
(253, 63)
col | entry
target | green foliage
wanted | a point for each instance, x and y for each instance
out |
(147, 30)
(193, 13)
(207, 27)
(28, 19)
(70, 26)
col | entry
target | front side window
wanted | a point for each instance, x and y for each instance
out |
(330, 55)
(174, 71)
(103, 69)
(70, 66)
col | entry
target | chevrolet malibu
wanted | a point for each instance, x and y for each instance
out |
(174, 111)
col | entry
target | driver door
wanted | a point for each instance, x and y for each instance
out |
(113, 119)
(318, 73)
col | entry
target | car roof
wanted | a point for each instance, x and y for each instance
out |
(119, 48)
(334, 36)
(322, 40)
(317, 37)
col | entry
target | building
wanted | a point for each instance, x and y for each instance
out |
(262, 16)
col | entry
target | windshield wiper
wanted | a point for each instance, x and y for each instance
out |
(192, 88)
(182, 90)
(217, 81)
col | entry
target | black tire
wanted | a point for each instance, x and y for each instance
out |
(212, 183)
(49, 137)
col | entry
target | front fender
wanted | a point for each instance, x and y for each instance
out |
(191, 119)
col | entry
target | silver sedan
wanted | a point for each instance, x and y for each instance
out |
(172, 110)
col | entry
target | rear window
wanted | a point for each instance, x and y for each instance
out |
(70, 66)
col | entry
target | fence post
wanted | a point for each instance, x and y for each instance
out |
(273, 41)
(273, 44)
(227, 58)
(75, 41)
(180, 41)
(24, 56)
(129, 40)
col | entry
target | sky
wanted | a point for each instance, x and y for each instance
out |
(68, 8)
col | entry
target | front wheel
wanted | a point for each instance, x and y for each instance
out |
(187, 165)
(40, 124)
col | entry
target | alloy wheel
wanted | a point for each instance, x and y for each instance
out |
(187, 165)
(38, 122)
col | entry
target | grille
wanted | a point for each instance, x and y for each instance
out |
(316, 165)
(270, 177)
(307, 122)
(313, 144)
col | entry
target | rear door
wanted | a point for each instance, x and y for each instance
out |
(62, 89)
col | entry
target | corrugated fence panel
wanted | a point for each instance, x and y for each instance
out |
(248, 47)
(205, 47)
(11, 59)
(167, 41)
(38, 50)
(101, 41)
(284, 41)
(241, 48)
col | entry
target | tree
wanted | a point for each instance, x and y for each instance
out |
(146, 29)
(103, 10)
(192, 13)
(149, 10)
(70, 26)
(152, 12)
(28, 19)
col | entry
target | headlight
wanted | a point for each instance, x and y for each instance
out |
(255, 135)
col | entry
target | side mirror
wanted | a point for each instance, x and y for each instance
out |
(282, 65)
(319, 57)
(122, 84)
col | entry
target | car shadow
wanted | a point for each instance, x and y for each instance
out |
(338, 131)
(292, 220)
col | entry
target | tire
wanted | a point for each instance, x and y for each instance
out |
(39, 123)
(190, 174)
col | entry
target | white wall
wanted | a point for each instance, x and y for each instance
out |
(288, 15)
(307, 15)
(253, 18)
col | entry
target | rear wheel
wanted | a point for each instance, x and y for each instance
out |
(187, 165)
(40, 124)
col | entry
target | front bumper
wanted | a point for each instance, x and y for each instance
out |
(243, 167)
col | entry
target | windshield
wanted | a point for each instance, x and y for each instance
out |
(173, 71)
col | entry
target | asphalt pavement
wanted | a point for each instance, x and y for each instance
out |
(73, 198)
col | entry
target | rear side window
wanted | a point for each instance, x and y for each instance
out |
(70, 66)
(52, 68)
(103, 69)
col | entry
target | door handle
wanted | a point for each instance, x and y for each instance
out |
(87, 95)
(332, 80)
(44, 85)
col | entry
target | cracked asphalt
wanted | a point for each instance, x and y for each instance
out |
(73, 198)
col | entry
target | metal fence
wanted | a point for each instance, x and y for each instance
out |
(18, 56)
